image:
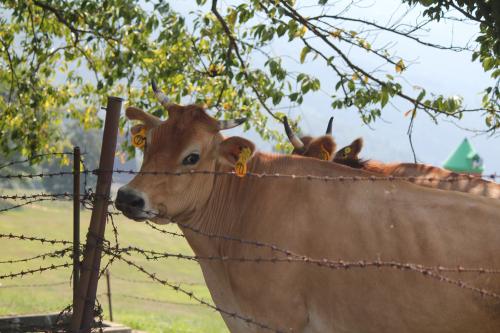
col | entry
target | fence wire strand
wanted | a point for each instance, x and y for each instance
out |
(41, 269)
(53, 254)
(452, 178)
(279, 254)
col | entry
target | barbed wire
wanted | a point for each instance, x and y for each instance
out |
(290, 255)
(457, 177)
(332, 264)
(115, 252)
(35, 239)
(294, 257)
(36, 175)
(201, 301)
(34, 157)
(336, 264)
(453, 178)
(33, 271)
(166, 232)
(217, 236)
(86, 199)
(53, 254)
(36, 196)
(339, 265)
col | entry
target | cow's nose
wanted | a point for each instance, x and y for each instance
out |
(127, 198)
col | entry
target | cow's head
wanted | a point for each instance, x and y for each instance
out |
(322, 147)
(189, 140)
(350, 152)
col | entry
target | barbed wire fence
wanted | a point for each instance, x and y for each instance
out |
(116, 252)
(101, 204)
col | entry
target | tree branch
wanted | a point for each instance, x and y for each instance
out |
(390, 29)
(233, 45)
(289, 11)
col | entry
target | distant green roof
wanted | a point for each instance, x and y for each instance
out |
(465, 159)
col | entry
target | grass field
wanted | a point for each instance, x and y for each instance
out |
(175, 313)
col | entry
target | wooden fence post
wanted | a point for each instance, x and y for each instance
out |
(76, 221)
(83, 312)
(108, 283)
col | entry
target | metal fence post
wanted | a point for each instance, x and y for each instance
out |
(76, 221)
(83, 312)
(109, 295)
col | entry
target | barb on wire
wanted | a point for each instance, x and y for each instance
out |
(109, 218)
(166, 232)
(297, 177)
(36, 175)
(86, 199)
(334, 264)
(35, 239)
(53, 254)
(201, 301)
(214, 235)
(426, 271)
(33, 271)
(36, 196)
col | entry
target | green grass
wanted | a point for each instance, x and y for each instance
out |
(177, 313)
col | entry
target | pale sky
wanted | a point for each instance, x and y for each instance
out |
(440, 72)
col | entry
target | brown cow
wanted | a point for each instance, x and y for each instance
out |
(421, 174)
(348, 220)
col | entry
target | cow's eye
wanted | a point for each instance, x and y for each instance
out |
(191, 159)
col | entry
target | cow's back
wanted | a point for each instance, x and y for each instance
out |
(367, 220)
(434, 177)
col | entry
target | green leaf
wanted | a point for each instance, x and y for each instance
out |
(488, 63)
(384, 97)
(304, 53)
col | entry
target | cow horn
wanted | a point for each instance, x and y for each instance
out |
(329, 127)
(227, 124)
(296, 142)
(161, 96)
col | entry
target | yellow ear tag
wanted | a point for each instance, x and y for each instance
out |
(139, 138)
(241, 165)
(325, 155)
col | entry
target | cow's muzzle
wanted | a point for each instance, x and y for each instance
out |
(133, 204)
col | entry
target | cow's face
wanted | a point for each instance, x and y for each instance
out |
(350, 152)
(189, 140)
(322, 147)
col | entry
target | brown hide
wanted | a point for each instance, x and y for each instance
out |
(338, 220)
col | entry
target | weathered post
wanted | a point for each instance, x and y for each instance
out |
(108, 283)
(76, 221)
(83, 312)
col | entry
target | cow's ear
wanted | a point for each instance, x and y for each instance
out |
(147, 119)
(321, 148)
(350, 152)
(136, 129)
(235, 148)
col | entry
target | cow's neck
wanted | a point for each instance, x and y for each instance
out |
(221, 214)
